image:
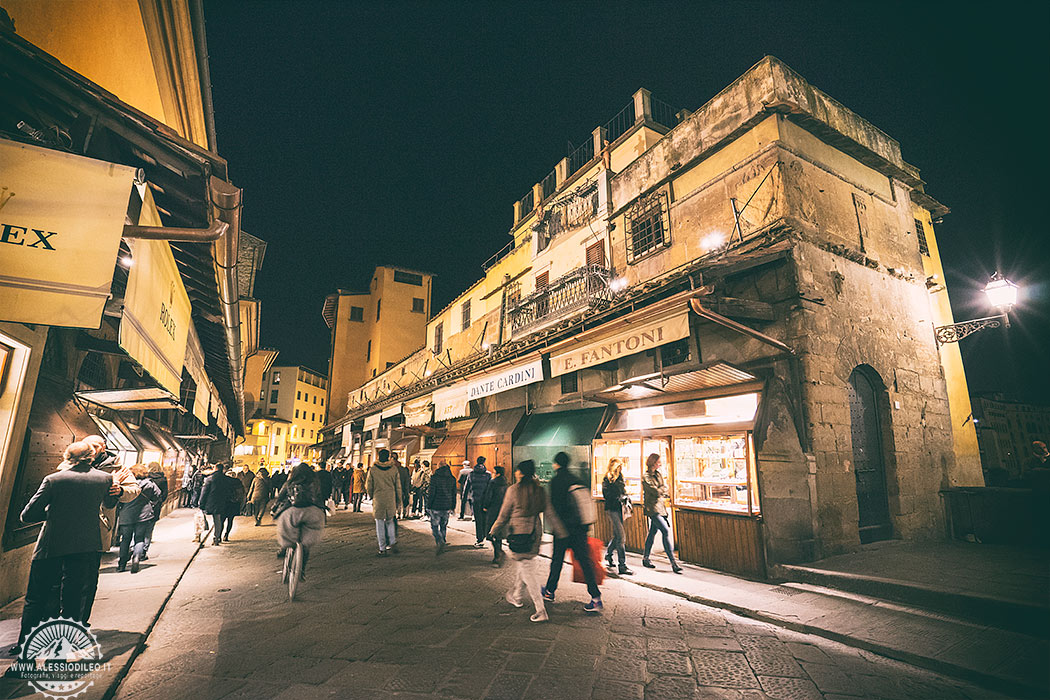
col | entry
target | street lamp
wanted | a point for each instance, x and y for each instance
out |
(1002, 294)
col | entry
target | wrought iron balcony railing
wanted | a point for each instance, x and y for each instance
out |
(583, 289)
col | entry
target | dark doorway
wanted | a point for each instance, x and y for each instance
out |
(869, 462)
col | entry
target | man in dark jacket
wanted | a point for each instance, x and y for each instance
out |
(441, 502)
(135, 519)
(569, 533)
(406, 489)
(494, 494)
(464, 475)
(324, 479)
(217, 497)
(69, 547)
(477, 487)
(157, 476)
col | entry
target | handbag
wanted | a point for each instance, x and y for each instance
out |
(522, 543)
(584, 504)
(628, 507)
(594, 549)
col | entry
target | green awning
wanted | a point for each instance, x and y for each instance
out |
(561, 429)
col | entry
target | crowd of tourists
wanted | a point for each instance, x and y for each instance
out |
(91, 502)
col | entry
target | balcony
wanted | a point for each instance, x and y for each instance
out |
(584, 289)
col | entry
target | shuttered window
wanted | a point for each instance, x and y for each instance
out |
(596, 254)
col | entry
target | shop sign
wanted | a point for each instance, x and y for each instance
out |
(156, 319)
(61, 219)
(372, 422)
(391, 411)
(419, 411)
(636, 338)
(504, 380)
(451, 402)
(347, 436)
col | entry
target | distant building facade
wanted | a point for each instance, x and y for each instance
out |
(742, 291)
(296, 396)
(1005, 431)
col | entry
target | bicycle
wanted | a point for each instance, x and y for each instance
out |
(293, 568)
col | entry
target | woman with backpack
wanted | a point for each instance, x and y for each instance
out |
(520, 514)
(299, 512)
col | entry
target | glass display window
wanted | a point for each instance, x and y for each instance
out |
(715, 472)
(630, 453)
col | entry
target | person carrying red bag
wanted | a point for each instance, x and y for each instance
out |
(570, 513)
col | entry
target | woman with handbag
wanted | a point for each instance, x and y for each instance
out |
(617, 506)
(520, 514)
(654, 498)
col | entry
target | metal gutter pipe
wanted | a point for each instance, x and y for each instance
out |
(227, 199)
(200, 45)
(169, 233)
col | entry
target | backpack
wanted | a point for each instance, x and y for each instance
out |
(581, 495)
(299, 496)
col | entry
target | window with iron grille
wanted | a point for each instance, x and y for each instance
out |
(920, 232)
(357, 313)
(570, 383)
(596, 254)
(674, 353)
(647, 226)
(513, 293)
(439, 337)
(466, 314)
(418, 305)
(408, 278)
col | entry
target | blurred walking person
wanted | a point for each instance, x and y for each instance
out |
(477, 486)
(614, 494)
(420, 486)
(246, 477)
(464, 495)
(135, 519)
(520, 515)
(654, 500)
(493, 503)
(259, 494)
(160, 479)
(441, 503)
(69, 548)
(383, 486)
(570, 532)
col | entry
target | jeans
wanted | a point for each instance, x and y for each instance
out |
(577, 542)
(480, 522)
(132, 534)
(228, 520)
(439, 525)
(356, 500)
(419, 501)
(618, 536)
(147, 538)
(216, 529)
(527, 575)
(386, 533)
(260, 508)
(658, 523)
(72, 574)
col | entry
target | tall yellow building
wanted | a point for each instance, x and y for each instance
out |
(297, 396)
(371, 330)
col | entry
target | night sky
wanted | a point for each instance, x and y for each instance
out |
(402, 133)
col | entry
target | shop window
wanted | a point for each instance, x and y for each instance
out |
(273, 396)
(357, 314)
(920, 233)
(715, 472)
(408, 278)
(674, 353)
(647, 226)
(418, 305)
(632, 454)
(439, 333)
(570, 383)
(466, 314)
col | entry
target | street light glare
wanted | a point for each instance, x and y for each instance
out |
(1002, 293)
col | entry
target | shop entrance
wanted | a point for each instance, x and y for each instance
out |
(869, 462)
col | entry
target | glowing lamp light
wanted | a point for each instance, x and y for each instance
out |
(618, 284)
(485, 345)
(1001, 292)
(125, 261)
(713, 241)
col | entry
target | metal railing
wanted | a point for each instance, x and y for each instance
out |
(663, 113)
(549, 184)
(619, 124)
(582, 289)
(581, 156)
(528, 203)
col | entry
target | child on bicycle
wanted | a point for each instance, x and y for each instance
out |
(299, 511)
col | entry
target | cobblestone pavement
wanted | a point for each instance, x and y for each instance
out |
(415, 625)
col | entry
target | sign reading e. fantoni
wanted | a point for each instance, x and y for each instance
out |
(636, 338)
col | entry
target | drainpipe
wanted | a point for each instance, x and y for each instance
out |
(200, 46)
(214, 232)
(227, 199)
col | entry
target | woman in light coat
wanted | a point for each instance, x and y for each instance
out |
(520, 514)
(383, 486)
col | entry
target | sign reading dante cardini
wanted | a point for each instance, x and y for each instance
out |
(510, 378)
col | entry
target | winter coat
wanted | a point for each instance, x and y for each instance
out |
(360, 476)
(197, 480)
(324, 481)
(421, 478)
(68, 502)
(246, 478)
(338, 478)
(512, 513)
(220, 494)
(614, 493)
(122, 476)
(654, 493)
(494, 495)
(477, 485)
(562, 514)
(309, 492)
(158, 478)
(144, 507)
(260, 489)
(442, 492)
(383, 485)
(406, 480)
(277, 480)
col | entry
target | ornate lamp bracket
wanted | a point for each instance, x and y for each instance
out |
(957, 331)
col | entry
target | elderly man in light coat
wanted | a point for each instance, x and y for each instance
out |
(383, 486)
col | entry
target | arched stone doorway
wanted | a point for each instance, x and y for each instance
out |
(869, 455)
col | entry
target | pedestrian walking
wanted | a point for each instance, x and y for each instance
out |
(235, 508)
(69, 548)
(259, 494)
(614, 494)
(519, 516)
(340, 486)
(217, 495)
(359, 479)
(135, 518)
(246, 477)
(277, 479)
(324, 480)
(160, 480)
(570, 532)
(441, 503)
(406, 488)
(464, 474)
(184, 486)
(196, 486)
(654, 501)
(477, 486)
(383, 486)
(493, 503)
(420, 486)
(300, 512)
